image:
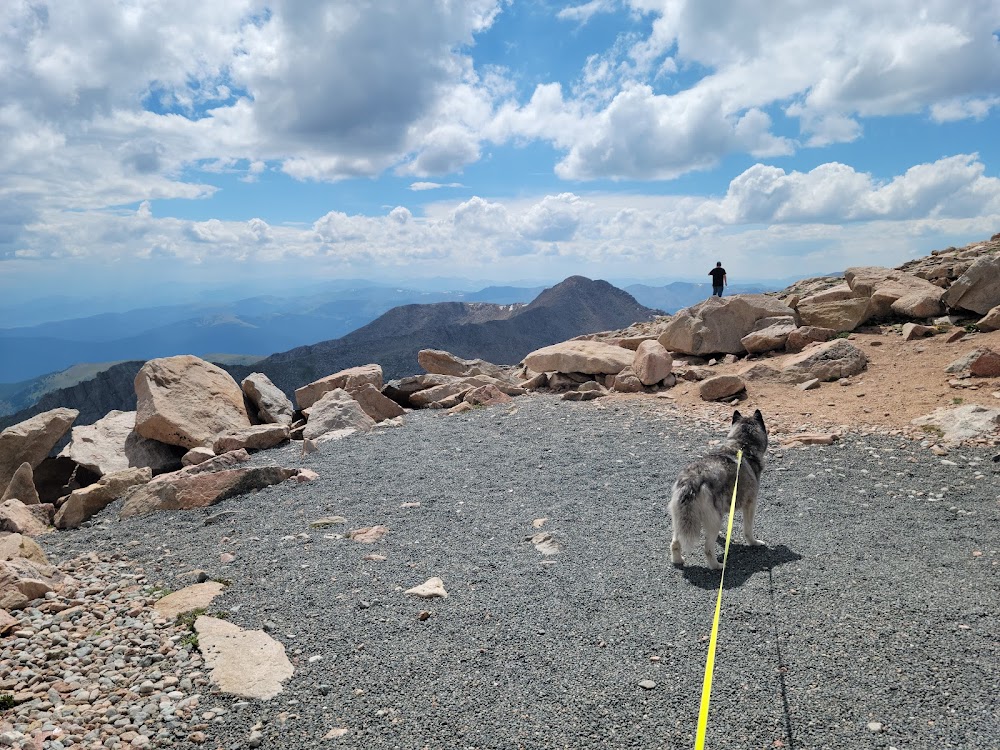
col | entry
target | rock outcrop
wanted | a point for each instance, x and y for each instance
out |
(717, 325)
(185, 490)
(188, 402)
(588, 357)
(652, 362)
(22, 486)
(30, 520)
(348, 380)
(336, 410)
(978, 289)
(30, 441)
(273, 406)
(255, 438)
(111, 444)
(84, 503)
(830, 361)
(440, 362)
(375, 405)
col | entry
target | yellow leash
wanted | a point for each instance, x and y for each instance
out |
(706, 688)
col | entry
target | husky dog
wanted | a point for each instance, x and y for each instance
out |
(704, 489)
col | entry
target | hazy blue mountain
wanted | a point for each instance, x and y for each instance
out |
(252, 326)
(501, 333)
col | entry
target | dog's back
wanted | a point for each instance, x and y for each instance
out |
(703, 490)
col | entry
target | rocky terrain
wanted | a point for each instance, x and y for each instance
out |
(468, 556)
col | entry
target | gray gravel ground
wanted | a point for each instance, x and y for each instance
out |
(870, 603)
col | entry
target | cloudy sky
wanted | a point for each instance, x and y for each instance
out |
(145, 142)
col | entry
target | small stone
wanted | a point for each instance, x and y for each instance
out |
(226, 557)
(335, 733)
(874, 727)
(647, 684)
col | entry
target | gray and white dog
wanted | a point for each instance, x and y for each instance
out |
(704, 489)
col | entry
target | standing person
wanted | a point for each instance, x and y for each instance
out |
(718, 275)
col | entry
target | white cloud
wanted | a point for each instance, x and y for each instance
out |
(584, 12)
(770, 222)
(418, 186)
(955, 187)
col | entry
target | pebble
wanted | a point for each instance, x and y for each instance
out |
(95, 666)
(647, 684)
(874, 727)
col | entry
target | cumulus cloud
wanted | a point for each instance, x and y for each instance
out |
(828, 67)
(955, 187)
(769, 216)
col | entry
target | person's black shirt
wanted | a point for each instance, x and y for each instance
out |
(717, 274)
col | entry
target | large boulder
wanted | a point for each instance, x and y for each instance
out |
(31, 440)
(588, 357)
(111, 444)
(720, 386)
(717, 325)
(375, 405)
(185, 491)
(830, 361)
(438, 393)
(840, 315)
(802, 336)
(13, 546)
(348, 380)
(990, 321)
(978, 289)
(187, 401)
(22, 581)
(769, 338)
(336, 410)
(19, 518)
(652, 362)
(440, 362)
(87, 502)
(892, 291)
(273, 406)
(22, 486)
(486, 395)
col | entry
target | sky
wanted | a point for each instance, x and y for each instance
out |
(146, 144)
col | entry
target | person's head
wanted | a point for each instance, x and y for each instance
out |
(718, 264)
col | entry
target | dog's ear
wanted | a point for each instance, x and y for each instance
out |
(736, 416)
(759, 417)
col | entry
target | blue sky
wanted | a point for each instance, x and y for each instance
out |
(512, 141)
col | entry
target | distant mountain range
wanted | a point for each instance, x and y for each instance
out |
(254, 326)
(500, 333)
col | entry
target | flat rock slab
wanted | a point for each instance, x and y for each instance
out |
(964, 423)
(197, 596)
(247, 663)
(429, 589)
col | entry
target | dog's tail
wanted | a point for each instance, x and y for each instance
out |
(685, 512)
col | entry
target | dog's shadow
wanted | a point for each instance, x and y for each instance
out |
(743, 562)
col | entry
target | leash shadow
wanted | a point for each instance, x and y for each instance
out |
(744, 561)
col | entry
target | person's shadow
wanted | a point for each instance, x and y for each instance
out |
(743, 562)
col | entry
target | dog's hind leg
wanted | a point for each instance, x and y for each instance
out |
(713, 525)
(676, 548)
(748, 512)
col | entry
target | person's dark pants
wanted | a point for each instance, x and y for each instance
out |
(717, 291)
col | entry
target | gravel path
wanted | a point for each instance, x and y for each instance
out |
(869, 622)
